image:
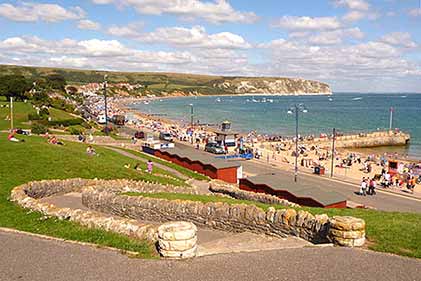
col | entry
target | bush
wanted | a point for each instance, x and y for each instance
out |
(34, 116)
(66, 123)
(73, 130)
(86, 125)
(38, 129)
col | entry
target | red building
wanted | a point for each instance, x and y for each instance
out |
(302, 194)
(200, 162)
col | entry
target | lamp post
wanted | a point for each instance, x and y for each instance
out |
(295, 110)
(332, 165)
(191, 114)
(191, 120)
(105, 104)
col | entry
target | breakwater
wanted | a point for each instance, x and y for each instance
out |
(366, 140)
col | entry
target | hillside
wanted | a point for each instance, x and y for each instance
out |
(164, 84)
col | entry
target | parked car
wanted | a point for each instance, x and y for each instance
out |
(139, 135)
(165, 136)
(214, 148)
(118, 120)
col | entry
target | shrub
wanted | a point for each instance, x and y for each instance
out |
(38, 129)
(66, 123)
(73, 130)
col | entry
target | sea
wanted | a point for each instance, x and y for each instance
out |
(347, 112)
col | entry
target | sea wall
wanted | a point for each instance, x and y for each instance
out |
(375, 139)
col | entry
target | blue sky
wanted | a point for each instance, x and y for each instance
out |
(354, 45)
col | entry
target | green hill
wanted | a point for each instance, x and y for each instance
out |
(178, 83)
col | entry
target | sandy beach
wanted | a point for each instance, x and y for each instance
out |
(278, 153)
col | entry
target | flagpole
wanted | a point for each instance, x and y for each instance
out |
(11, 113)
(391, 119)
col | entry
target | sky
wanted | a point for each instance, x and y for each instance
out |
(353, 45)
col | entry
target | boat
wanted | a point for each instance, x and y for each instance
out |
(218, 100)
(359, 98)
(146, 102)
(330, 99)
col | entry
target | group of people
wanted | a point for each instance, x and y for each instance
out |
(368, 186)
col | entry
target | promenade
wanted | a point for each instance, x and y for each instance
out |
(36, 259)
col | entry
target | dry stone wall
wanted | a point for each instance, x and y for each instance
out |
(27, 196)
(120, 213)
(221, 216)
(233, 191)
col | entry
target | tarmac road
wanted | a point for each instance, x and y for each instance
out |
(31, 258)
(382, 201)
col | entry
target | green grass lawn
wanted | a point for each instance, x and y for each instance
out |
(60, 115)
(181, 169)
(20, 114)
(35, 159)
(390, 232)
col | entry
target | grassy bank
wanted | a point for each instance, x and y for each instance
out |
(20, 114)
(35, 159)
(390, 232)
(184, 171)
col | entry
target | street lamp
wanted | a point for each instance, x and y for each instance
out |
(191, 114)
(191, 119)
(295, 110)
(105, 104)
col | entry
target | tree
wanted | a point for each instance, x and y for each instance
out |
(15, 86)
(56, 82)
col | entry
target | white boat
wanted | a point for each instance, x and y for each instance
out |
(218, 100)
(330, 99)
(359, 98)
(146, 102)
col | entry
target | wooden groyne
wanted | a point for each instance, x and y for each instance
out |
(365, 140)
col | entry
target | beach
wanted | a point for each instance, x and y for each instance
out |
(279, 153)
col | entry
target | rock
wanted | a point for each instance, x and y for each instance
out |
(177, 245)
(347, 223)
(191, 253)
(173, 231)
(353, 234)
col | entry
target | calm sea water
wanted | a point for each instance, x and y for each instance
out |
(346, 112)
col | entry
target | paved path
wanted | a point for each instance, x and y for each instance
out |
(383, 200)
(143, 160)
(210, 241)
(28, 258)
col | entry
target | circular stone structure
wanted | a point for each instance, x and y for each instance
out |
(177, 240)
(347, 231)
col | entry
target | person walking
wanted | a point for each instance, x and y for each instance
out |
(363, 188)
(150, 166)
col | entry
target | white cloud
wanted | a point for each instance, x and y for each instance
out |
(360, 67)
(415, 12)
(294, 23)
(131, 30)
(88, 24)
(370, 66)
(195, 37)
(217, 11)
(336, 36)
(30, 12)
(402, 39)
(353, 16)
(360, 5)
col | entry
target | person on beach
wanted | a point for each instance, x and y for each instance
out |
(363, 187)
(150, 166)
(372, 187)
